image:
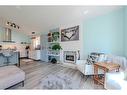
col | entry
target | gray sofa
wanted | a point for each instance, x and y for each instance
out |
(10, 76)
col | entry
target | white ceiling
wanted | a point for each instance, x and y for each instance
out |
(42, 18)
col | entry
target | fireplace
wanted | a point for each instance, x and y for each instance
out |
(69, 56)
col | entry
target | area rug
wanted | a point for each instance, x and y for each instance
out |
(27, 60)
(59, 81)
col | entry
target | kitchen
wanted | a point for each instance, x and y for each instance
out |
(15, 45)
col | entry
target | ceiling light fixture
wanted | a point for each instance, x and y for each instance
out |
(13, 25)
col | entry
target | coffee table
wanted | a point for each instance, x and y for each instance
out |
(106, 67)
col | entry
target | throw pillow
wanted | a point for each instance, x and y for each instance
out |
(92, 58)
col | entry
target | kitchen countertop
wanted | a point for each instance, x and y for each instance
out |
(1, 51)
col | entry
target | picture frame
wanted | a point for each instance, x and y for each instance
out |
(70, 34)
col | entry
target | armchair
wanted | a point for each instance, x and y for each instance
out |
(86, 69)
(87, 66)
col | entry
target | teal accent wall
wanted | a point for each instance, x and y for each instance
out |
(20, 37)
(125, 32)
(105, 33)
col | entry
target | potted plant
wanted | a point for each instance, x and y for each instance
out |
(53, 60)
(55, 36)
(56, 46)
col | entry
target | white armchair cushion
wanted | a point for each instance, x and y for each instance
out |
(80, 61)
(115, 81)
(81, 65)
(115, 75)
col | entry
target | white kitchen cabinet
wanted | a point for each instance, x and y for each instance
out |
(35, 54)
(22, 50)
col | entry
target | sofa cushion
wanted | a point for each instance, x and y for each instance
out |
(112, 84)
(10, 75)
(115, 80)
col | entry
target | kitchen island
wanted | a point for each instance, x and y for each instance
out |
(12, 59)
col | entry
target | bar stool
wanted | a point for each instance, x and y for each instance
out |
(7, 54)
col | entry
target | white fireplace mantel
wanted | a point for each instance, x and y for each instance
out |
(68, 63)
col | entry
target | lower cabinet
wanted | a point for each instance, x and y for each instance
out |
(22, 50)
(35, 54)
(13, 59)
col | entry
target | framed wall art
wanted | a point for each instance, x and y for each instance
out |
(70, 34)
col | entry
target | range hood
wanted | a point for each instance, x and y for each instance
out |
(7, 36)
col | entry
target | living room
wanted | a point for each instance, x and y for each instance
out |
(54, 50)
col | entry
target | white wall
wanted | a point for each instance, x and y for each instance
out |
(73, 45)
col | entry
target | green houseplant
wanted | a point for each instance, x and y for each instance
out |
(56, 46)
(55, 36)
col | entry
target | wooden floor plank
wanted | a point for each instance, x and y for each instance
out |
(37, 70)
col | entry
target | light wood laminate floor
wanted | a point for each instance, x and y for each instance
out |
(37, 70)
